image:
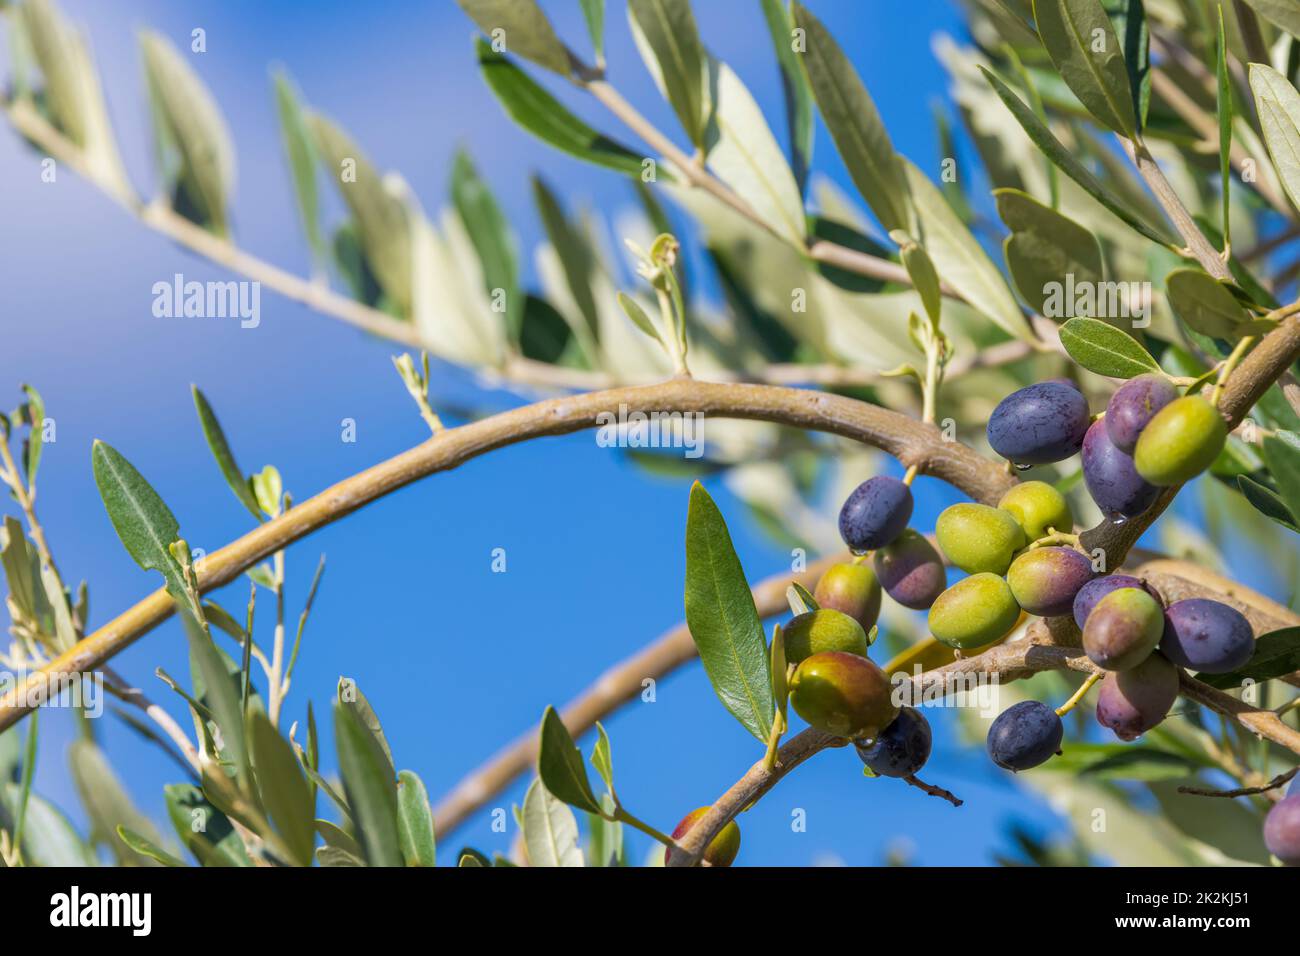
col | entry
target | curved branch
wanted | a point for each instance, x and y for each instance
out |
(911, 442)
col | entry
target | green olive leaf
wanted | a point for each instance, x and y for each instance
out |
(1205, 304)
(669, 42)
(550, 830)
(723, 620)
(370, 786)
(541, 114)
(141, 519)
(1278, 104)
(799, 104)
(283, 788)
(593, 12)
(490, 234)
(220, 448)
(1267, 502)
(300, 152)
(1282, 13)
(415, 821)
(560, 764)
(203, 829)
(854, 123)
(520, 27)
(1225, 115)
(1282, 455)
(1045, 248)
(602, 758)
(1081, 41)
(1106, 350)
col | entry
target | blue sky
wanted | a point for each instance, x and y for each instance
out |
(456, 659)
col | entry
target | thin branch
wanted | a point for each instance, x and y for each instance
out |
(933, 791)
(910, 441)
(1280, 780)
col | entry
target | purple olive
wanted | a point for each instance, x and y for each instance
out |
(875, 513)
(1040, 424)
(1207, 636)
(1133, 405)
(1112, 478)
(1098, 588)
(1045, 581)
(911, 571)
(1282, 830)
(1133, 702)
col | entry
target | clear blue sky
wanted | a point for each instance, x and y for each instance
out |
(456, 659)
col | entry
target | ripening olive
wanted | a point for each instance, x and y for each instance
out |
(1207, 636)
(1132, 702)
(1112, 478)
(1132, 407)
(723, 848)
(851, 589)
(842, 694)
(1180, 442)
(823, 630)
(902, 748)
(875, 513)
(1045, 580)
(1282, 830)
(1098, 588)
(1123, 629)
(979, 538)
(1037, 506)
(975, 611)
(911, 571)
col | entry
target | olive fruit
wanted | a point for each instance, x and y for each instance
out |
(1045, 581)
(1132, 702)
(975, 611)
(851, 589)
(722, 850)
(1025, 735)
(823, 630)
(1112, 478)
(979, 538)
(1282, 830)
(1206, 636)
(1132, 407)
(875, 513)
(901, 749)
(1037, 506)
(911, 571)
(1180, 442)
(1123, 629)
(1098, 588)
(1039, 424)
(842, 694)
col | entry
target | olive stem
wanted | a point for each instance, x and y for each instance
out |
(933, 791)
(1278, 781)
(1079, 694)
(1233, 360)
(910, 475)
(1053, 537)
(622, 816)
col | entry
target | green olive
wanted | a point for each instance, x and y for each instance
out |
(722, 850)
(979, 538)
(852, 589)
(1180, 442)
(842, 694)
(823, 630)
(975, 611)
(1037, 506)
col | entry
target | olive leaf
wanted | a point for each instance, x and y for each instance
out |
(370, 787)
(33, 412)
(142, 521)
(491, 236)
(1081, 41)
(577, 263)
(959, 257)
(300, 151)
(854, 123)
(379, 218)
(1106, 350)
(723, 620)
(593, 12)
(1282, 13)
(920, 269)
(669, 42)
(1070, 164)
(1282, 455)
(415, 821)
(48, 837)
(1278, 104)
(550, 830)
(741, 151)
(602, 758)
(541, 114)
(1267, 502)
(283, 788)
(220, 448)
(560, 765)
(520, 27)
(350, 696)
(1130, 20)
(144, 847)
(1225, 115)
(107, 803)
(799, 108)
(1277, 654)
(1204, 304)
(638, 316)
(217, 683)
(203, 829)
(188, 121)
(52, 41)
(1044, 248)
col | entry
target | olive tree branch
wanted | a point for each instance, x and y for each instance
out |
(910, 441)
(1279, 781)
